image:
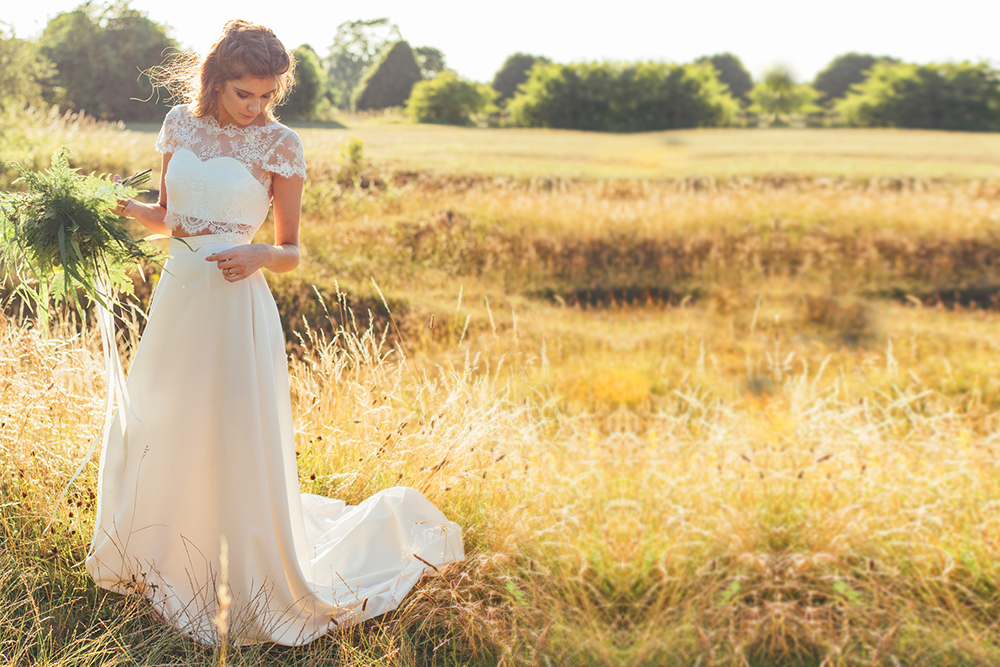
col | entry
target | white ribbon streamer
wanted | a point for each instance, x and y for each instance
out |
(117, 393)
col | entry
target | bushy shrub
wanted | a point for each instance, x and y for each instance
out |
(633, 97)
(449, 99)
(309, 88)
(389, 80)
(949, 96)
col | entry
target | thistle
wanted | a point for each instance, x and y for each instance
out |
(61, 236)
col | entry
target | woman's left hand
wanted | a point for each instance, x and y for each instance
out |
(242, 261)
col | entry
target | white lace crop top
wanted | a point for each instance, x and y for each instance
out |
(219, 178)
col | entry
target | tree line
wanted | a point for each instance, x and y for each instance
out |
(92, 59)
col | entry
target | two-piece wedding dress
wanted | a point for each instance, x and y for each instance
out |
(207, 448)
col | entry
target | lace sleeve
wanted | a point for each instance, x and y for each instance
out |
(166, 142)
(285, 157)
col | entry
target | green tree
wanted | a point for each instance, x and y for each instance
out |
(389, 80)
(24, 71)
(950, 96)
(844, 71)
(449, 99)
(730, 71)
(615, 97)
(99, 52)
(356, 46)
(778, 99)
(430, 60)
(513, 73)
(309, 88)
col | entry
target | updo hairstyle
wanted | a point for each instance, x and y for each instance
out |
(243, 49)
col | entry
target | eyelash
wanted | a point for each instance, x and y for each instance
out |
(243, 97)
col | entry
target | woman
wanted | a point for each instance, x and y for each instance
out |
(206, 448)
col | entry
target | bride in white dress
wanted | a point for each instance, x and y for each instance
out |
(206, 449)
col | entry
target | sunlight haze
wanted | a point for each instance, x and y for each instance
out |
(477, 37)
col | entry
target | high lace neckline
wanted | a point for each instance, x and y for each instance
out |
(212, 123)
(206, 194)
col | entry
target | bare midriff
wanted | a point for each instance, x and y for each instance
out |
(180, 233)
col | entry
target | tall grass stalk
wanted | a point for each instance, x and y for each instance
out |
(841, 515)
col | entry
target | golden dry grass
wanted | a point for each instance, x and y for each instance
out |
(753, 497)
(709, 443)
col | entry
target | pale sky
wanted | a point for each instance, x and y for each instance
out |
(476, 37)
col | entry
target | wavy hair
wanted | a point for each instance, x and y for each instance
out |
(243, 49)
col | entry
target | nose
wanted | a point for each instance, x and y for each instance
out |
(255, 105)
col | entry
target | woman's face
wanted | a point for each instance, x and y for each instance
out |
(242, 101)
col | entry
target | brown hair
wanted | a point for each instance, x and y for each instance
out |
(243, 49)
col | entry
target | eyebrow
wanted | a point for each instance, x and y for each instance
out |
(247, 92)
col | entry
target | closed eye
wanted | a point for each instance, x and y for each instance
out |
(244, 94)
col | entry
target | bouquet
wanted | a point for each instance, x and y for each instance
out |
(61, 235)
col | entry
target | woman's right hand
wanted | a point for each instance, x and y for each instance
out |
(125, 206)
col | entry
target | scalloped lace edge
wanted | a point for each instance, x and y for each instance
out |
(191, 225)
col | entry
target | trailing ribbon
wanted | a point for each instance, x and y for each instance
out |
(117, 393)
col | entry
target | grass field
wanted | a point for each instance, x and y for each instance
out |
(715, 152)
(718, 397)
(855, 153)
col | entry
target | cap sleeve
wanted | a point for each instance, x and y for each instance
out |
(285, 157)
(166, 141)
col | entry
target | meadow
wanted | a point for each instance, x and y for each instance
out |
(715, 397)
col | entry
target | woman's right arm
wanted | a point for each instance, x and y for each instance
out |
(151, 216)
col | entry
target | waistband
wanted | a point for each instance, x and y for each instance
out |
(191, 242)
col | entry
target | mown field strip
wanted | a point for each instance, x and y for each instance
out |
(857, 153)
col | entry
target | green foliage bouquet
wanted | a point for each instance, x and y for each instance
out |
(61, 235)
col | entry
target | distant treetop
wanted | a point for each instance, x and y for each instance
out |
(389, 80)
(98, 50)
(355, 47)
(936, 96)
(431, 61)
(844, 71)
(309, 87)
(778, 100)
(730, 71)
(513, 73)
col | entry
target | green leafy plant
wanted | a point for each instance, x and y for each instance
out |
(621, 97)
(61, 235)
(778, 100)
(948, 96)
(449, 100)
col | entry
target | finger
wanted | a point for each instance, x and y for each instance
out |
(218, 256)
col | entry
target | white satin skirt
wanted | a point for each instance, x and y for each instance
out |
(207, 452)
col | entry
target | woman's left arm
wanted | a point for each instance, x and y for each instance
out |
(242, 261)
